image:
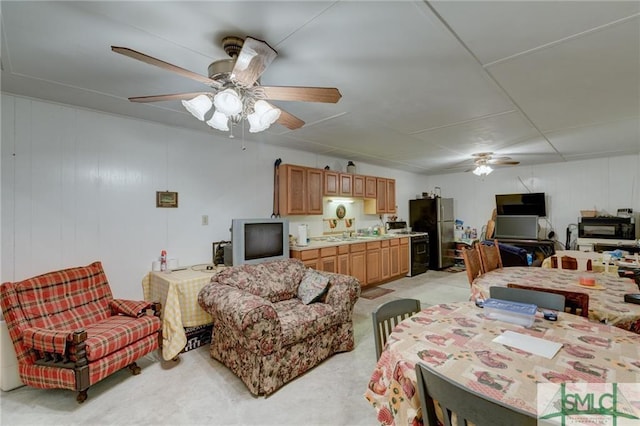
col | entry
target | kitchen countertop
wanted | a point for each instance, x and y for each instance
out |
(331, 241)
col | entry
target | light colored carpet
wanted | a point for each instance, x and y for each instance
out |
(197, 390)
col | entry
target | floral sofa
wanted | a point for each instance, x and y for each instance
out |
(274, 321)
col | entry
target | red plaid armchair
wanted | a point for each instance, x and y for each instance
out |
(69, 332)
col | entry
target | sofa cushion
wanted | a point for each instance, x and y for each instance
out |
(275, 281)
(299, 321)
(312, 287)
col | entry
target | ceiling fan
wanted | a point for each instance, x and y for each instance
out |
(234, 87)
(484, 160)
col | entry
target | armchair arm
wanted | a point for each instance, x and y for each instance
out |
(132, 308)
(343, 293)
(251, 319)
(51, 341)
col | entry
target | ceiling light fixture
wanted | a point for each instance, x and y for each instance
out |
(482, 170)
(232, 105)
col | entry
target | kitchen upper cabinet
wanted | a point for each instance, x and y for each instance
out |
(370, 187)
(331, 183)
(314, 191)
(300, 190)
(385, 200)
(346, 182)
(358, 186)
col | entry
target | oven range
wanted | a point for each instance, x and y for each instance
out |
(418, 247)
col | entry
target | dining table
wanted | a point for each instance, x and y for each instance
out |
(457, 341)
(606, 298)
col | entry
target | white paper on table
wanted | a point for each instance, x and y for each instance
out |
(534, 345)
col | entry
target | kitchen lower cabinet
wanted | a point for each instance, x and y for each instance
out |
(394, 257)
(404, 256)
(344, 260)
(374, 267)
(328, 259)
(358, 262)
(385, 260)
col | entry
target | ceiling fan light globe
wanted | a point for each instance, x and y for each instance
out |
(219, 121)
(482, 170)
(266, 112)
(198, 106)
(228, 102)
(255, 124)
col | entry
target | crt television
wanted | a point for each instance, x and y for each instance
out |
(516, 227)
(529, 204)
(259, 240)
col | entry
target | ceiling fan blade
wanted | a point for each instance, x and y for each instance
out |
(289, 121)
(303, 94)
(165, 65)
(254, 57)
(173, 97)
(503, 163)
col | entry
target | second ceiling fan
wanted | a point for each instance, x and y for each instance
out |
(234, 88)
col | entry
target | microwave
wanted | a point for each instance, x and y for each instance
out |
(613, 228)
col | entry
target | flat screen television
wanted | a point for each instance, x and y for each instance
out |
(259, 240)
(531, 204)
(521, 227)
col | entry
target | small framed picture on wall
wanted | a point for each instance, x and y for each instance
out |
(166, 199)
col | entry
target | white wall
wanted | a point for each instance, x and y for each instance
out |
(604, 184)
(79, 186)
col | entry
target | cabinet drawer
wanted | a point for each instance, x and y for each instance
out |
(309, 254)
(328, 251)
(404, 241)
(358, 247)
(373, 245)
(384, 243)
(394, 242)
(343, 249)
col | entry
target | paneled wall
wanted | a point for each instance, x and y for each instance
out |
(79, 186)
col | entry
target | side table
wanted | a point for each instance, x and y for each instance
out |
(178, 292)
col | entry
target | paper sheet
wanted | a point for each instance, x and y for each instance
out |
(534, 345)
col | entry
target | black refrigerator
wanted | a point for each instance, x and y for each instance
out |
(435, 216)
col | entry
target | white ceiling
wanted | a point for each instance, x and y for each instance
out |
(424, 84)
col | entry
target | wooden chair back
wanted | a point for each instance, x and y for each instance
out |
(387, 316)
(490, 256)
(472, 263)
(569, 262)
(575, 303)
(542, 299)
(469, 406)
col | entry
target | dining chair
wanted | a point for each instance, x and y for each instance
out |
(468, 405)
(472, 263)
(573, 300)
(542, 299)
(568, 262)
(490, 256)
(387, 316)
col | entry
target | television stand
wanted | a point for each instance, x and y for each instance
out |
(540, 249)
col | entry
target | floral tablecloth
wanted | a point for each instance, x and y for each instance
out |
(178, 293)
(456, 340)
(606, 303)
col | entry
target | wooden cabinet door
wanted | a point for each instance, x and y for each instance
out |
(391, 195)
(381, 198)
(370, 187)
(404, 256)
(330, 183)
(373, 263)
(328, 264)
(292, 184)
(385, 262)
(358, 186)
(314, 191)
(345, 184)
(394, 259)
(358, 262)
(343, 264)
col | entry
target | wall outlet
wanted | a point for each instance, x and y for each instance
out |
(205, 220)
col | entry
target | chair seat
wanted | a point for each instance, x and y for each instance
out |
(117, 332)
(300, 321)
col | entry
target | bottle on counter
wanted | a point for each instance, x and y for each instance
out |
(163, 260)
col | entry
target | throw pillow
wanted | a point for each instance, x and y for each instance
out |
(312, 287)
